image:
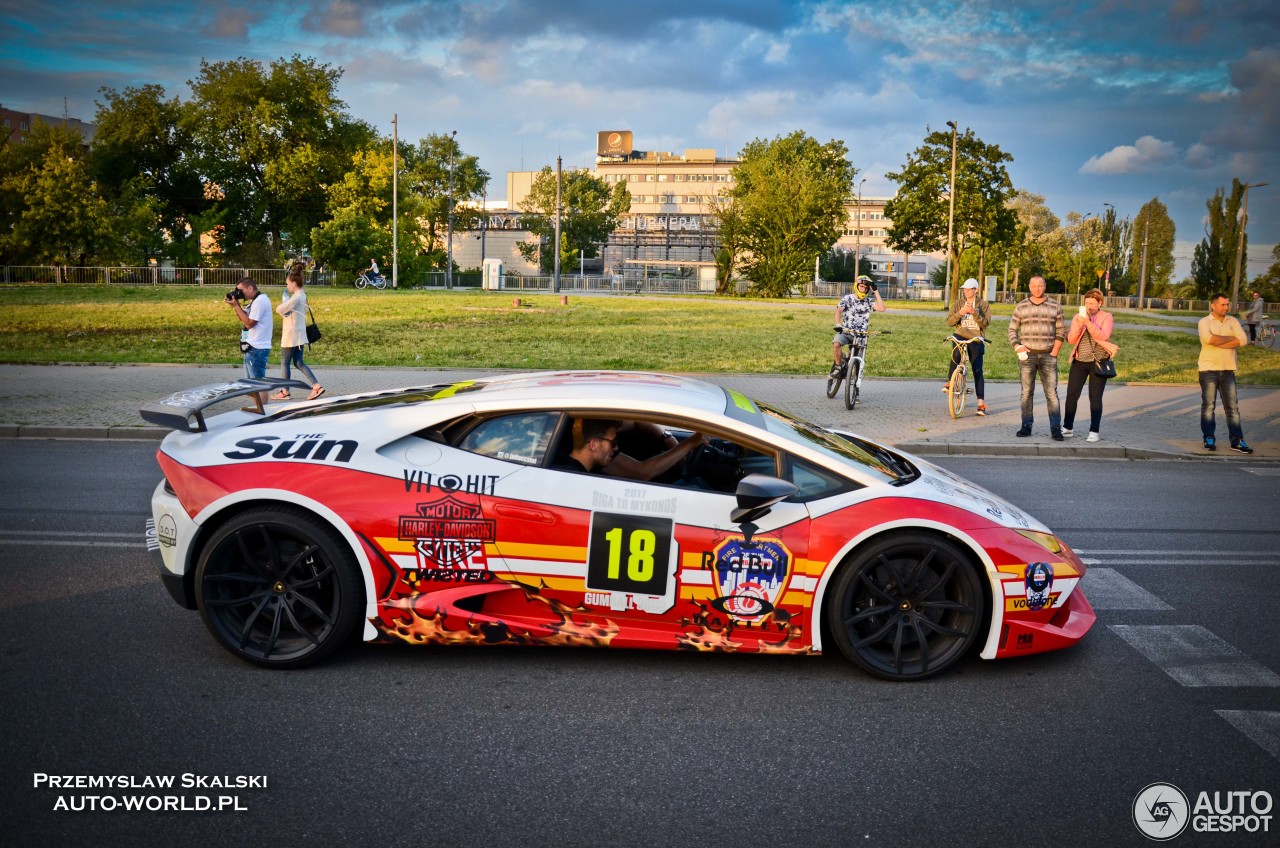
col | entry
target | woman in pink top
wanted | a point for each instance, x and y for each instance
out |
(1088, 328)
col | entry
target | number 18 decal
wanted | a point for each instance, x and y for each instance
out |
(629, 553)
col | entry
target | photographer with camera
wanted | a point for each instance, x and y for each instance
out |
(255, 338)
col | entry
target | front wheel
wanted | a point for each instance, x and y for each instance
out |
(958, 392)
(361, 281)
(1268, 336)
(851, 384)
(907, 608)
(835, 378)
(279, 588)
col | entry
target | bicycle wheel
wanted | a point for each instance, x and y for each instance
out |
(851, 383)
(834, 381)
(959, 390)
(379, 282)
(1267, 336)
(361, 282)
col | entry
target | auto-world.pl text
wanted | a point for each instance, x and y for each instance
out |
(153, 801)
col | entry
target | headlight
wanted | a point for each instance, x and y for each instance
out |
(1045, 540)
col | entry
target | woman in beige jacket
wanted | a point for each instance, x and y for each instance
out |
(294, 335)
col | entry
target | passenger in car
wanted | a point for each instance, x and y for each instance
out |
(595, 443)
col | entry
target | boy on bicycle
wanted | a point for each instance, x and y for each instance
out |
(853, 315)
(971, 316)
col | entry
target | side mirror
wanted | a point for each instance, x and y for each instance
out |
(756, 494)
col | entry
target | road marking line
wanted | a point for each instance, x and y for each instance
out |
(1194, 656)
(1108, 589)
(65, 534)
(140, 545)
(1262, 727)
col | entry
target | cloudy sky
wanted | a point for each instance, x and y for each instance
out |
(1100, 101)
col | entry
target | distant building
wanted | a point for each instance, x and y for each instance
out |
(18, 124)
(670, 222)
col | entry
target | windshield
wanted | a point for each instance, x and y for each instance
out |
(847, 451)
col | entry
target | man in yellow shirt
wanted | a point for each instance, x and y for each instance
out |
(1220, 335)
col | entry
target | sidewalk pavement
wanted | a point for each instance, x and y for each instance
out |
(1140, 421)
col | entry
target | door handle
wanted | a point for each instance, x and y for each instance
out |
(525, 513)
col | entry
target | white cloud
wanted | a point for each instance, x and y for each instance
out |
(1145, 154)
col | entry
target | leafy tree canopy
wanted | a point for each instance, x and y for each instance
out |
(590, 211)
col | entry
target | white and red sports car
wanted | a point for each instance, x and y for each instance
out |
(456, 514)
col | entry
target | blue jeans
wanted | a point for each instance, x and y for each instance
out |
(292, 356)
(1046, 366)
(255, 362)
(1223, 383)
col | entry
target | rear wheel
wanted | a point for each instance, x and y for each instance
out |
(907, 608)
(851, 383)
(279, 588)
(959, 390)
(834, 380)
(1267, 335)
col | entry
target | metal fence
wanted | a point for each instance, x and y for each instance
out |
(226, 278)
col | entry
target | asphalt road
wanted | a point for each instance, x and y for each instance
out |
(102, 674)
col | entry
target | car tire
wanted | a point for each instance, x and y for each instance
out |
(279, 588)
(906, 607)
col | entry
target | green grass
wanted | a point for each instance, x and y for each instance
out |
(485, 330)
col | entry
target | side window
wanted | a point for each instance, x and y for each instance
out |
(814, 482)
(523, 437)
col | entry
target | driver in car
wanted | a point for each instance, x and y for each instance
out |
(628, 467)
(595, 443)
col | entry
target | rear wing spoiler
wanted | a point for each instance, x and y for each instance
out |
(185, 410)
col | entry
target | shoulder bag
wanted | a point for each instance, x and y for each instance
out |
(1104, 368)
(313, 332)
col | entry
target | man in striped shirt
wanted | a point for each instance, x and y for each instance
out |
(1036, 332)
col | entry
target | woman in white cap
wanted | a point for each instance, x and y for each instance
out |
(970, 317)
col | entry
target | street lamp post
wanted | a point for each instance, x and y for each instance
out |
(1244, 222)
(1110, 233)
(448, 270)
(857, 234)
(951, 215)
(1080, 258)
(395, 188)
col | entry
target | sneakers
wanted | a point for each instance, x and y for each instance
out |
(946, 387)
(1093, 437)
(1241, 447)
(1056, 435)
(982, 408)
(1066, 432)
(1024, 432)
(836, 371)
(1210, 444)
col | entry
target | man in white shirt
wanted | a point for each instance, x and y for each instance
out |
(1220, 335)
(255, 339)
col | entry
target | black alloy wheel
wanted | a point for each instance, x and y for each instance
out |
(279, 588)
(908, 607)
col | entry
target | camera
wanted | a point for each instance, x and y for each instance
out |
(234, 294)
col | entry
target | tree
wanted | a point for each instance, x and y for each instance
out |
(589, 213)
(426, 176)
(1038, 235)
(271, 139)
(921, 209)
(1213, 266)
(143, 150)
(53, 210)
(786, 206)
(1153, 223)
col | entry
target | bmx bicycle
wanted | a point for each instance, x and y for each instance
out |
(852, 367)
(958, 390)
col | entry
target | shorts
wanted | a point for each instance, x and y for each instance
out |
(255, 362)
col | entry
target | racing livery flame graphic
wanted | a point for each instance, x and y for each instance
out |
(437, 618)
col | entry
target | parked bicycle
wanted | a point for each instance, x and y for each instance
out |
(367, 279)
(852, 366)
(1266, 335)
(958, 390)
